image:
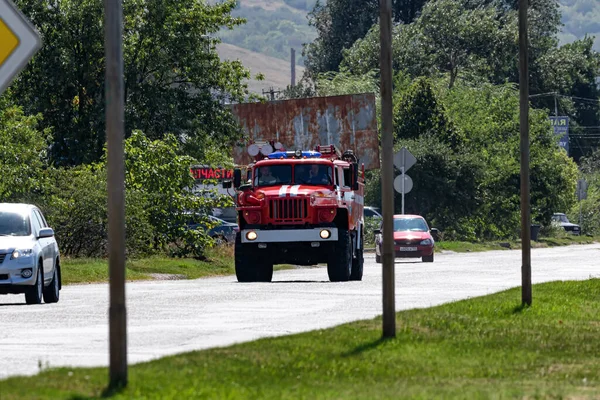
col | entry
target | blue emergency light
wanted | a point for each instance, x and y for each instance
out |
(294, 154)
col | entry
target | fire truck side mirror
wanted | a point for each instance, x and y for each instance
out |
(227, 184)
(355, 176)
(237, 178)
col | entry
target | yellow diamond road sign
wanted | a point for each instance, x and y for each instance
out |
(18, 42)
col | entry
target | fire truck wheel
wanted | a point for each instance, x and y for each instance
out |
(357, 266)
(340, 261)
(250, 267)
(264, 270)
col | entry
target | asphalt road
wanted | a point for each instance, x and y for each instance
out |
(167, 317)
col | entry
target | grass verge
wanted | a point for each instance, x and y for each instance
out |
(543, 242)
(487, 347)
(219, 261)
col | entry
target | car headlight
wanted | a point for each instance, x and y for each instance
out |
(21, 253)
(426, 242)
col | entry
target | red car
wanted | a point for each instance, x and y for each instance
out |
(412, 238)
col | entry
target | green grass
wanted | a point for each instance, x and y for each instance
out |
(84, 270)
(219, 262)
(543, 242)
(487, 347)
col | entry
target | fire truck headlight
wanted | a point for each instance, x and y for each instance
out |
(325, 234)
(251, 235)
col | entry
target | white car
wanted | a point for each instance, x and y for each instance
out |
(29, 257)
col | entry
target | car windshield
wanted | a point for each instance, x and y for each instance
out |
(273, 175)
(560, 218)
(313, 174)
(410, 224)
(14, 224)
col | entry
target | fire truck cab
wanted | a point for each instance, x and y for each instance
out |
(302, 208)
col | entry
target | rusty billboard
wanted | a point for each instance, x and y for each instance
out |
(348, 122)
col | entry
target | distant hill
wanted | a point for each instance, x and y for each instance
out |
(277, 72)
(272, 27)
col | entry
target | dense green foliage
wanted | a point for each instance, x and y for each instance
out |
(22, 151)
(479, 44)
(481, 348)
(339, 23)
(590, 215)
(159, 197)
(466, 141)
(174, 80)
(52, 122)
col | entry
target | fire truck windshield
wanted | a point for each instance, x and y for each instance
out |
(273, 175)
(313, 174)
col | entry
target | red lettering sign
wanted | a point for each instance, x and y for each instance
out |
(203, 173)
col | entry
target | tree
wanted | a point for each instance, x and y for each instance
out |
(174, 80)
(22, 152)
(445, 38)
(339, 23)
(419, 113)
(572, 70)
(154, 168)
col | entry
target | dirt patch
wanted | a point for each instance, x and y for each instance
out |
(167, 277)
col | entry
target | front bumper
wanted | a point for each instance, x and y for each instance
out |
(289, 235)
(403, 252)
(11, 280)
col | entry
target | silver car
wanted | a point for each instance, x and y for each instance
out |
(29, 257)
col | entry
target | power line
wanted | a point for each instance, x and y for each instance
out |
(556, 94)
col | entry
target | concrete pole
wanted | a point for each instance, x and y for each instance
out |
(114, 91)
(387, 170)
(526, 297)
(293, 66)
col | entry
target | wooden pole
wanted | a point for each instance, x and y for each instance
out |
(524, 128)
(387, 170)
(114, 91)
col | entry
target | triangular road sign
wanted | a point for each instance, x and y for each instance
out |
(19, 41)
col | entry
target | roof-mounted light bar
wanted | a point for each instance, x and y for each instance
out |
(294, 154)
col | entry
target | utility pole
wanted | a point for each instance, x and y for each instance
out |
(271, 92)
(387, 170)
(293, 66)
(115, 126)
(524, 128)
(555, 104)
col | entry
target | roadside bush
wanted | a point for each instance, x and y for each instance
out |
(370, 225)
(74, 203)
(156, 168)
(466, 181)
(590, 207)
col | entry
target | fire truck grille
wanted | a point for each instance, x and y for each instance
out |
(288, 210)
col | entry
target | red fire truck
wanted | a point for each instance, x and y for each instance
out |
(301, 208)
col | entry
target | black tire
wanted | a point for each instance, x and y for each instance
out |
(249, 267)
(340, 261)
(357, 265)
(427, 258)
(34, 294)
(264, 270)
(377, 258)
(52, 292)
